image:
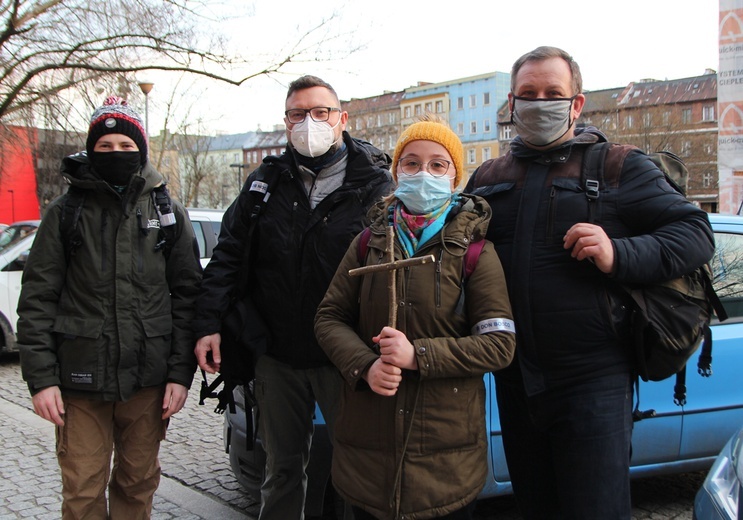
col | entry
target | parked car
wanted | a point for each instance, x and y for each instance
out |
(675, 439)
(12, 261)
(721, 494)
(206, 224)
(16, 231)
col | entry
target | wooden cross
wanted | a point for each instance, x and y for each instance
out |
(391, 267)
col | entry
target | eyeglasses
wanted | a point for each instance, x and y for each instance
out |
(436, 167)
(318, 114)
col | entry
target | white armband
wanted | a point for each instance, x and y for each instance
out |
(493, 325)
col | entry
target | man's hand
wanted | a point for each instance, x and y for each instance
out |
(383, 378)
(204, 346)
(48, 405)
(591, 242)
(396, 349)
(175, 398)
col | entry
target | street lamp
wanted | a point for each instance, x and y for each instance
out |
(146, 87)
(239, 167)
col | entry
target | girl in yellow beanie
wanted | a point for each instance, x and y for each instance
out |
(410, 438)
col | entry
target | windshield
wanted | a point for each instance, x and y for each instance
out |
(14, 233)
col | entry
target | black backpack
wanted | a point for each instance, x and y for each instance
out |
(669, 320)
(244, 336)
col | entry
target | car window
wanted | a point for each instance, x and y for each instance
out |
(199, 231)
(727, 270)
(14, 233)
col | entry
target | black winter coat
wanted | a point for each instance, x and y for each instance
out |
(295, 252)
(570, 319)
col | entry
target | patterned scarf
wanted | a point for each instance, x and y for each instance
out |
(412, 231)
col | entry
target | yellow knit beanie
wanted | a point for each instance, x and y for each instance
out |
(438, 132)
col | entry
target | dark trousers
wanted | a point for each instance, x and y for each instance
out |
(460, 514)
(568, 450)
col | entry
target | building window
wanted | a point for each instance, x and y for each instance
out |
(505, 133)
(471, 156)
(473, 127)
(486, 98)
(629, 121)
(486, 126)
(379, 120)
(473, 100)
(460, 128)
(439, 107)
(686, 149)
(407, 112)
(686, 116)
(460, 103)
(706, 179)
(391, 118)
(486, 154)
(666, 118)
(418, 110)
(429, 107)
(647, 120)
(708, 113)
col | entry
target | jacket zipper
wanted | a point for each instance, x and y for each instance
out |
(104, 249)
(551, 213)
(438, 278)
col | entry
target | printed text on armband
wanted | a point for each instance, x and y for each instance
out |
(494, 325)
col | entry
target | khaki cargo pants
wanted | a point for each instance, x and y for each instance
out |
(93, 430)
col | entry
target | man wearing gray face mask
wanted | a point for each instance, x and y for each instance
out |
(565, 404)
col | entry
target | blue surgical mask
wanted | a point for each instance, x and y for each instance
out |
(422, 193)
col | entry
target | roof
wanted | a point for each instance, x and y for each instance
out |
(685, 90)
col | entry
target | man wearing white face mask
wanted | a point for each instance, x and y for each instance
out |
(565, 404)
(324, 183)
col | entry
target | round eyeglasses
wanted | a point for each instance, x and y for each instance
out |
(436, 167)
(318, 114)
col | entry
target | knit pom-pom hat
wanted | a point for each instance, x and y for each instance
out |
(116, 117)
(438, 132)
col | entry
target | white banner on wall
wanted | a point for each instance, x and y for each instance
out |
(730, 106)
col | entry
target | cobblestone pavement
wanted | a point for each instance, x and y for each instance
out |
(194, 464)
(197, 481)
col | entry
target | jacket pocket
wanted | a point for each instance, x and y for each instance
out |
(80, 351)
(364, 419)
(155, 350)
(452, 414)
(565, 193)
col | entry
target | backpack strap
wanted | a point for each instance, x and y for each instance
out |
(592, 175)
(68, 223)
(164, 208)
(363, 245)
(261, 188)
(471, 257)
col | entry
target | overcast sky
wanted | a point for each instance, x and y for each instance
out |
(407, 41)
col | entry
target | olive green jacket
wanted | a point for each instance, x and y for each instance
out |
(116, 316)
(423, 452)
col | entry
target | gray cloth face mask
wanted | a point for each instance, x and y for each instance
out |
(541, 122)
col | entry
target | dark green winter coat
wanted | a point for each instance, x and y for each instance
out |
(423, 452)
(116, 316)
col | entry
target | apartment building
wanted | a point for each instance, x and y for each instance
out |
(375, 119)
